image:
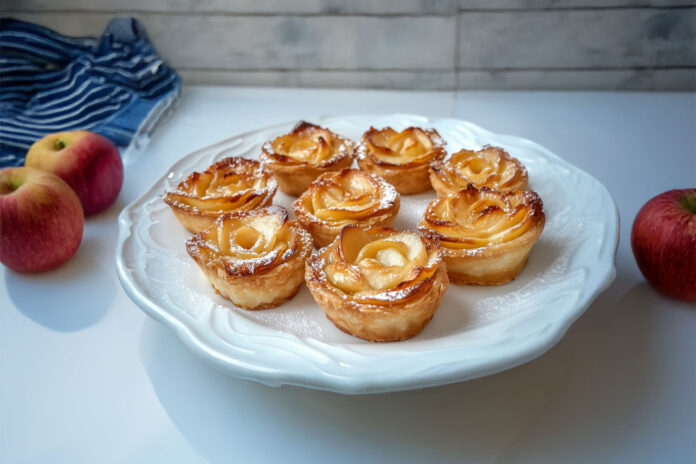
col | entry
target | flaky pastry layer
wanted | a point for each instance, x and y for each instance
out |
(348, 196)
(296, 159)
(401, 158)
(231, 184)
(378, 284)
(485, 236)
(255, 259)
(490, 167)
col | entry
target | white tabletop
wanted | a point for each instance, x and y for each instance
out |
(85, 376)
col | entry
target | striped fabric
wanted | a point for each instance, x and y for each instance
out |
(116, 86)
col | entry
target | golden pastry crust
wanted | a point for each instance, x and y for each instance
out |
(348, 196)
(401, 158)
(485, 236)
(296, 159)
(231, 184)
(378, 284)
(490, 167)
(255, 259)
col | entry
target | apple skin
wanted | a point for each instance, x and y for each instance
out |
(41, 220)
(88, 162)
(663, 240)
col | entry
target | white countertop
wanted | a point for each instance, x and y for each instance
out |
(85, 376)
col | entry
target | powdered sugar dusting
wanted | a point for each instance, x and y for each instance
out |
(295, 343)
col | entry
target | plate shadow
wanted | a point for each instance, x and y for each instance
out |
(573, 395)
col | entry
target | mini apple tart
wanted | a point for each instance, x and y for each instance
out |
(255, 259)
(231, 184)
(298, 158)
(490, 167)
(401, 158)
(377, 283)
(485, 236)
(348, 196)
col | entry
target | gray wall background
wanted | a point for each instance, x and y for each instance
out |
(407, 44)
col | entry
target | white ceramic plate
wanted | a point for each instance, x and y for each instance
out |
(476, 331)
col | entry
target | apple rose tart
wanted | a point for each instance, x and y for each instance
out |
(485, 235)
(348, 196)
(377, 283)
(255, 259)
(231, 184)
(298, 158)
(401, 158)
(490, 167)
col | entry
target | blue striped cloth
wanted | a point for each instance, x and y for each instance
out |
(116, 86)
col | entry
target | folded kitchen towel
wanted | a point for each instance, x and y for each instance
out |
(116, 85)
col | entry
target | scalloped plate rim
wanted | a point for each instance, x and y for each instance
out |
(227, 364)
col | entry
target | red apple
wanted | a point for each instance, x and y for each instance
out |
(41, 220)
(88, 162)
(664, 243)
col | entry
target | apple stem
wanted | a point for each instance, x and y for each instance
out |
(9, 186)
(689, 202)
(58, 144)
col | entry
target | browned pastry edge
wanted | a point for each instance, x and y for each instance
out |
(358, 319)
(294, 176)
(408, 178)
(273, 304)
(324, 232)
(442, 187)
(194, 219)
(236, 282)
(492, 264)
(295, 179)
(464, 278)
(394, 320)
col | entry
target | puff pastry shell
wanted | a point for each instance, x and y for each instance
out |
(255, 259)
(401, 158)
(296, 159)
(490, 167)
(377, 283)
(485, 236)
(231, 184)
(348, 196)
